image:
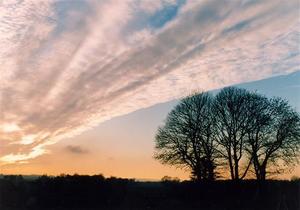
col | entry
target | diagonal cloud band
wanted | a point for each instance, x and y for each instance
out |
(67, 66)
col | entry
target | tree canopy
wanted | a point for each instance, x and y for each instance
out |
(186, 139)
(245, 130)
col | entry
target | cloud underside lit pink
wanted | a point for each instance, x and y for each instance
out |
(66, 68)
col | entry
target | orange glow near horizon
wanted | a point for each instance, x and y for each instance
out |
(96, 160)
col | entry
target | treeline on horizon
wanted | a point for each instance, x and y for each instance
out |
(83, 192)
(234, 134)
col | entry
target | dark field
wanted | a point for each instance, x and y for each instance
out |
(96, 192)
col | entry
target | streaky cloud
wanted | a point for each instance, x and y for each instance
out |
(67, 67)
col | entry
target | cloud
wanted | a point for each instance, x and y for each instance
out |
(76, 149)
(66, 67)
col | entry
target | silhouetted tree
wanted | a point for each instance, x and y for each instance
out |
(187, 139)
(170, 179)
(244, 128)
(273, 134)
(230, 128)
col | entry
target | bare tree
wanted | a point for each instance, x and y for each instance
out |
(186, 139)
(273, 135)
(230, 128)
(243, 128)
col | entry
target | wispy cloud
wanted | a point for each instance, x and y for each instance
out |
(67, 66)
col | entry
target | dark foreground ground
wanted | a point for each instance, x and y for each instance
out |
(96, 192)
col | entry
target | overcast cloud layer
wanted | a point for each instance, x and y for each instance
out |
(66, 66)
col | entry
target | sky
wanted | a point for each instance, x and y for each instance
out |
(77, 77)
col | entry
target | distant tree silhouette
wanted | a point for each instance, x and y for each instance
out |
(231, 126)
(186, 139)
(170, 179)
(273, 136)
(82, 192)
(295, 179)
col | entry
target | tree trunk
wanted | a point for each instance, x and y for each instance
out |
(230, 165)
(236, 170)
(236, 166)
(263, 175)
(256, 167)
(197, 173)
(211, 173)
(263, 171)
